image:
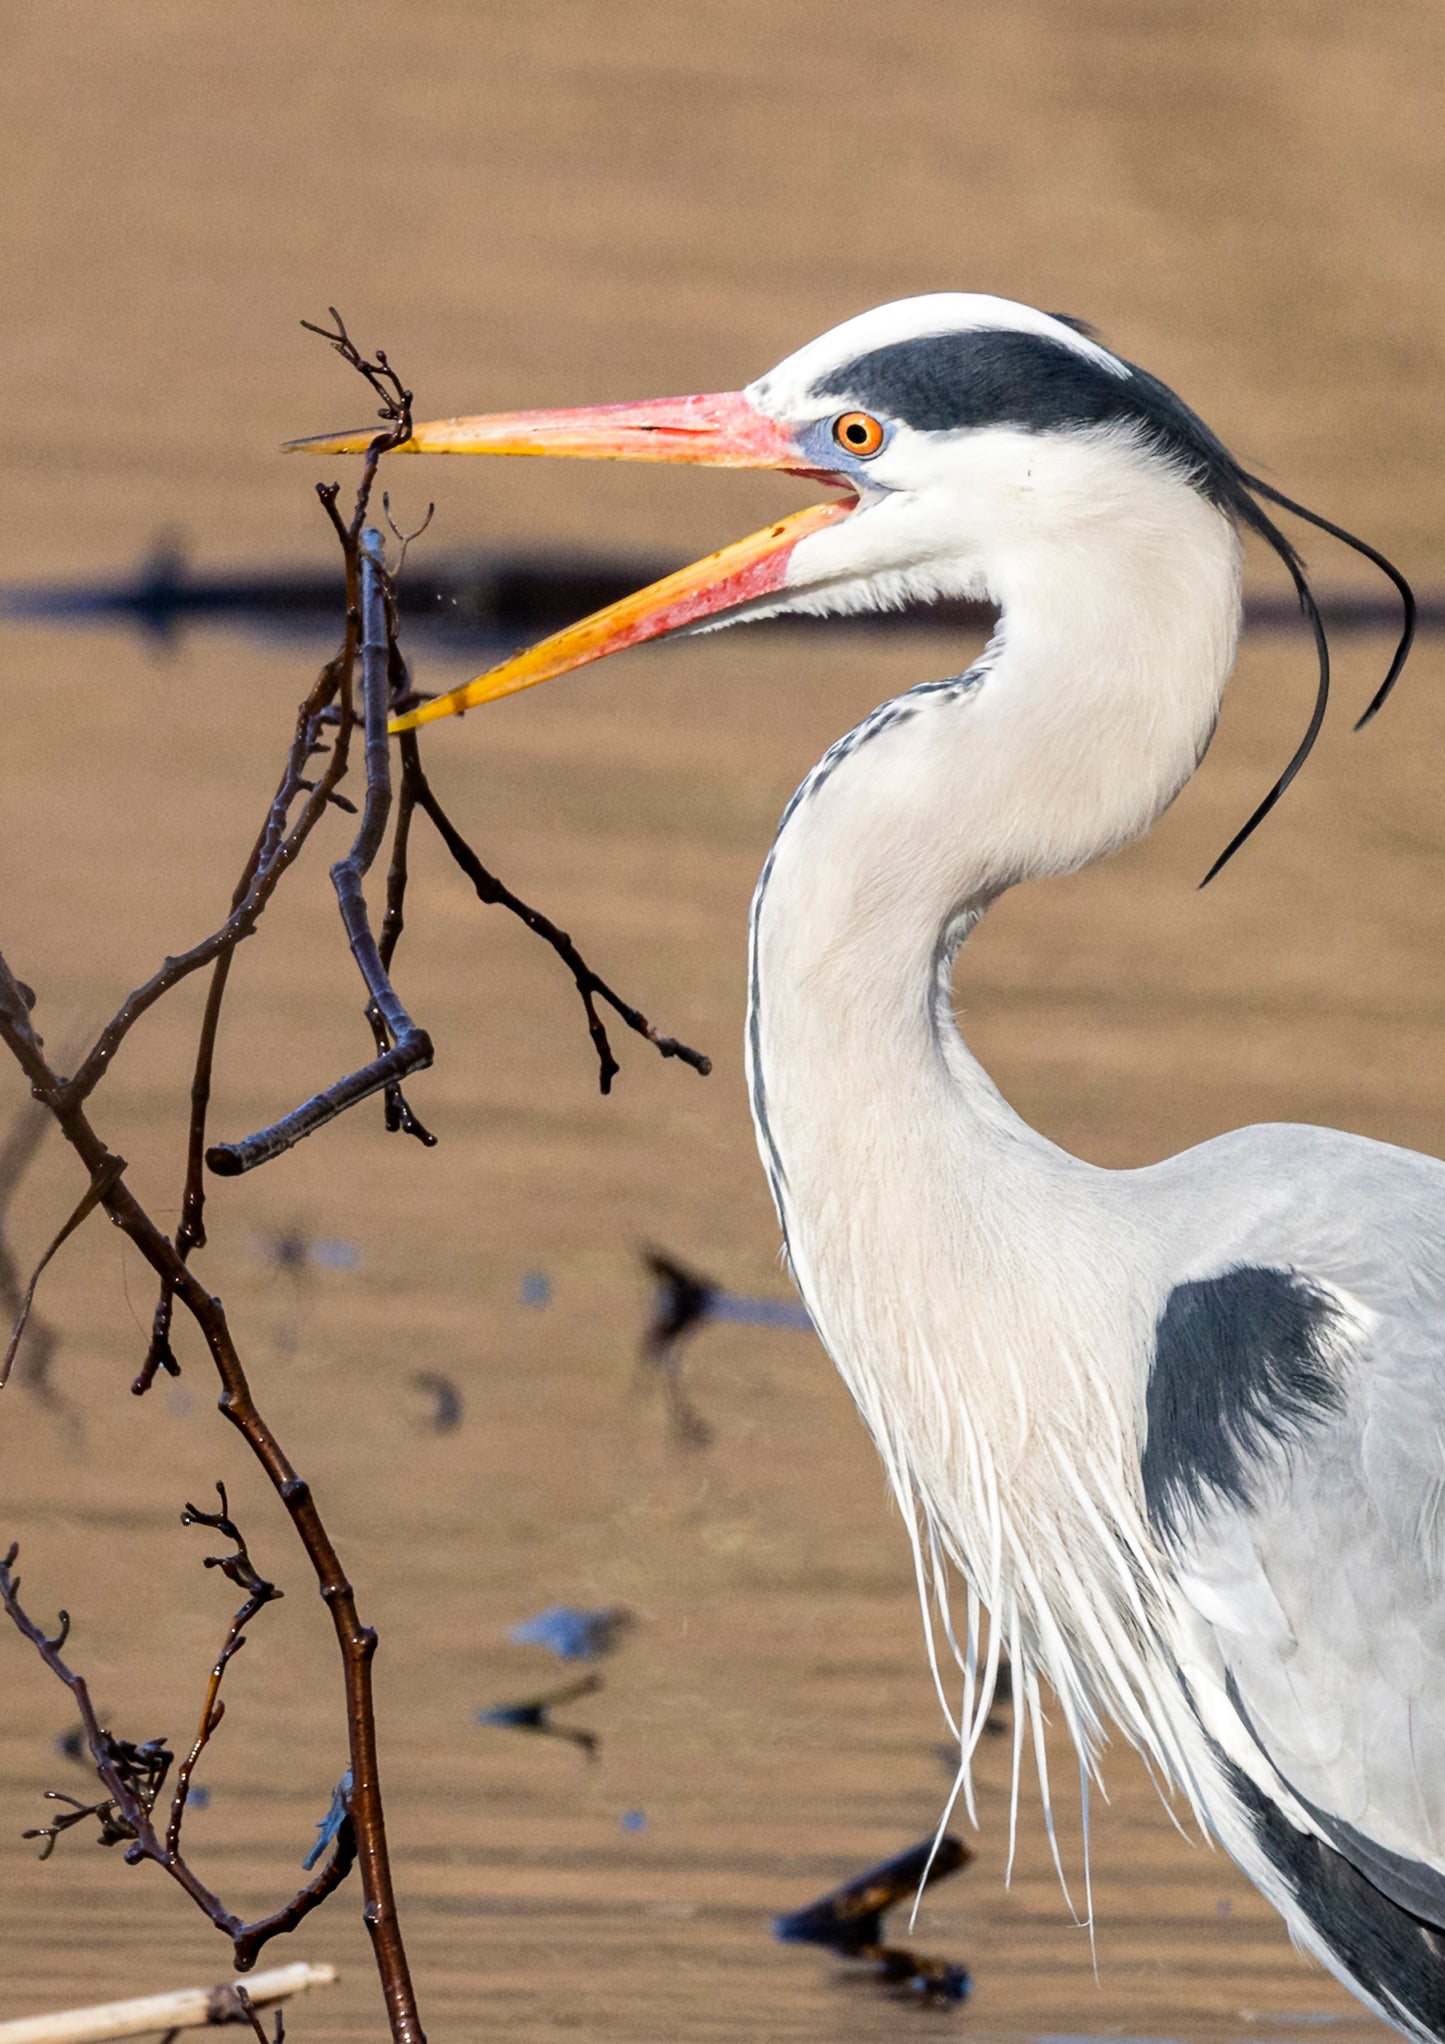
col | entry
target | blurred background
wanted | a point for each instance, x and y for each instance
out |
(560, 204)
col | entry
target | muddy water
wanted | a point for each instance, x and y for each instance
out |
(585, 201)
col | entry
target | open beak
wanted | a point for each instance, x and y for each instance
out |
(722, 430)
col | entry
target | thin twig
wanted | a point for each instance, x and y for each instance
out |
(404, 539)
(237, 1568)
(306, 742)
(17, 1152)
(239, 925)
(89, 1201)
(590, 985)
(254, 1937)
(400, 1116)
(251, 2017)
(334, 679)
(395, 407)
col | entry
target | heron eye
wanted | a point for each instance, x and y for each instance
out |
(858, 433)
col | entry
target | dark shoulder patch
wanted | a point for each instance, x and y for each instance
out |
(994, 376)
(1397, 1958)
(1240, 1368)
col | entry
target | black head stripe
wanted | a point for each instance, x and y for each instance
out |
(944, 383)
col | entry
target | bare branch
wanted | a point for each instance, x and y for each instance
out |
(318, 759)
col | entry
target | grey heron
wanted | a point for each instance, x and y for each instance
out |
(1182, 1428)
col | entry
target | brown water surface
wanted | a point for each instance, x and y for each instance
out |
(583, 201)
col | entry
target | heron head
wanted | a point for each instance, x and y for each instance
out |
(962, 432)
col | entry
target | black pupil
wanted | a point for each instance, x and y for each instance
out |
(857, 433)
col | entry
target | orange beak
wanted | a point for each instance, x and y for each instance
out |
(722, 430)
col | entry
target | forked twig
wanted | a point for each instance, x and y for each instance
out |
(237, 1568)
(133, 1775)
(395, 398)
(590, 985)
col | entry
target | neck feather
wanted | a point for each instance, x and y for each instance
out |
(966, 1275)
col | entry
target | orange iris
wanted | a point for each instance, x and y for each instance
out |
(858, 433)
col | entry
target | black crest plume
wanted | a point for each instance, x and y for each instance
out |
(1177, 430)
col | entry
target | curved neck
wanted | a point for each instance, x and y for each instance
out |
(1085, 717)
(959, 1267)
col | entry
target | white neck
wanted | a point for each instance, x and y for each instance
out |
(959, 1267)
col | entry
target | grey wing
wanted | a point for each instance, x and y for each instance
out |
(1294, 1470)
